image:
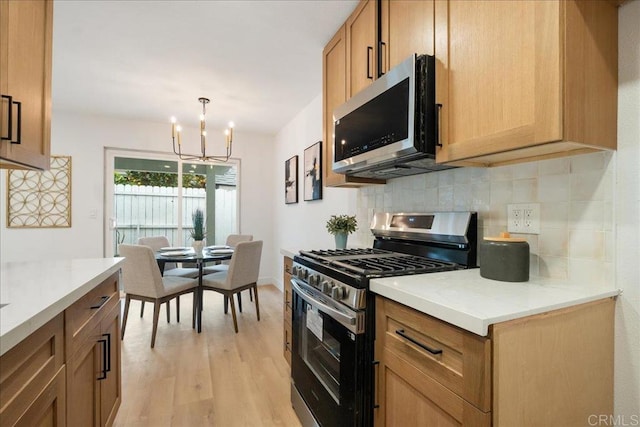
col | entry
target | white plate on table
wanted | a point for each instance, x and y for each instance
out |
(221, 251)
(182, 253)
(214, 247)
(174, 249)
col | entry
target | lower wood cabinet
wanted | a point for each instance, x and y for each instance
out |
(287, 313)
(554, 368)
(32, 379)
(67, 373)
(93, 367)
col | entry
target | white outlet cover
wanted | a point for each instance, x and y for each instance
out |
(523, 218)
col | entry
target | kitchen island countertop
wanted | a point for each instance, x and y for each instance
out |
(469, 301)
(36, 291)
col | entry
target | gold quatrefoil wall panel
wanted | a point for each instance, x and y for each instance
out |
(40, 199)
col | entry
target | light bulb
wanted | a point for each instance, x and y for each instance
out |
(231, 125)
(173, 119)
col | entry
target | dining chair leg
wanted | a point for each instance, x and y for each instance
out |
(233, 313)
(141, 309)
(250, 294)
(156, 316)
(127, 301)
(168, 311)
(255, 292)
(178, 309)
(239, 301)
(226, 304)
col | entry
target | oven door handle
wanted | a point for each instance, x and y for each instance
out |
(350, 320)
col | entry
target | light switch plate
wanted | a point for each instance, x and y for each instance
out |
(523, 218)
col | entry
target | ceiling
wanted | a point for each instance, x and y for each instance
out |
(260, 62)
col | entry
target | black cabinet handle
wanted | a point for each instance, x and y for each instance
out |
(438, 121)
(376, 363)
(382, 56)
(19, 133)
(103, 371)
(103, 299)
(418, 343)
(10, 119)
(369, 53)
(108, 353)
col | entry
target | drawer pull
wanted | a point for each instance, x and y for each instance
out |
(418, 343)
(103, 299)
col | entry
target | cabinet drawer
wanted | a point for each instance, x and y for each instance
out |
(453, 357)
(88, 311)
(27, 368)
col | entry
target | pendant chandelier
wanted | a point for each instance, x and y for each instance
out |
(176, 131)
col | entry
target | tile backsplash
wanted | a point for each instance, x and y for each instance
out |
(575, 194)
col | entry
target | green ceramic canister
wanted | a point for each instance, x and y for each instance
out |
(504, 258)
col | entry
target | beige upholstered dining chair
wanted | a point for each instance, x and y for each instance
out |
(142, 281)
(170, 268)
(242, 274)
(232, 240)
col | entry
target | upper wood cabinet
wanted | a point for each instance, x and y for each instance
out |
(25, 83)
(525, 80)
(362, 37)
(406, 28)
(334, 93)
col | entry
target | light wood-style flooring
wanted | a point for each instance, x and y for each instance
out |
(216, 378)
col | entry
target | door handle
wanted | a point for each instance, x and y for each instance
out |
(438, 121)
(376, 364)
(369, 54)
(10, 119)
(383, 57)
(103, 371)
(108, 353)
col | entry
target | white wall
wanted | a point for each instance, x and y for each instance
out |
(302, 225)
(84, 138)
(627, 352)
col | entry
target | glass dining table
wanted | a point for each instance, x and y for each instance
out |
(200, 259)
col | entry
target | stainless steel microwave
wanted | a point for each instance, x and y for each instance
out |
(389, 129)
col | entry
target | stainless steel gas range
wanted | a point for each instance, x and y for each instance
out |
(332, 360)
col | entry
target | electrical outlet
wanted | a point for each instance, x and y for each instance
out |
(523, 218)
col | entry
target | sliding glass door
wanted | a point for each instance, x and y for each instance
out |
(152, 194)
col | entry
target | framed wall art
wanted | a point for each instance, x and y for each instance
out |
(40, 199)
(291, 180)
(313, 172)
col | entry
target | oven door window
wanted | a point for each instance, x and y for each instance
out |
(320, 349)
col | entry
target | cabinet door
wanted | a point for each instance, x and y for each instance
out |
(334, 93)
(498, 76)
(287, 303)
(25, 75)
(361, 46)
(110, 387)
(406, 28)
(49, 408)
(83, 387)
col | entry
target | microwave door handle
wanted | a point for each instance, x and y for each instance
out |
(326, 308)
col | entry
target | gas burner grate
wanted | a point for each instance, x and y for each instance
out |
(394, 265)
(329, 254)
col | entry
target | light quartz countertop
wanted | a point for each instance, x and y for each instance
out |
(288, 252)
(469, 301)
(37, 291)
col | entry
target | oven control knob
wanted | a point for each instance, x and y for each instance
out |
(326, 287)
(337, 292)
(302, 274)
(294, 270)
(314, 279)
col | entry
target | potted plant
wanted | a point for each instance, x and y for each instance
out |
(341, 226)
(197, 233)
